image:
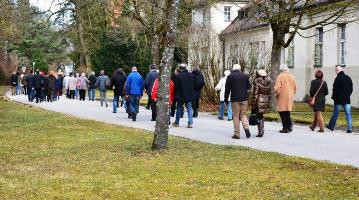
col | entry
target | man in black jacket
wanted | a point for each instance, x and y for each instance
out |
(149, 81)
(237, 85)
(38, 85)
(342, 90)
(184, 94)
(30, 87)
(117, 84)
(92, 87)
(198, 85)
(14, 81)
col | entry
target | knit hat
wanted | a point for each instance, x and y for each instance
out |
(236, 67)
(262, 73)
(283, 67)
(227, 73)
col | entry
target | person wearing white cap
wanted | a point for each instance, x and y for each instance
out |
(221, 86)
(285, 89)
(237, 86)
(261, 98)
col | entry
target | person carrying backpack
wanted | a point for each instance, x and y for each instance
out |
(198, 86)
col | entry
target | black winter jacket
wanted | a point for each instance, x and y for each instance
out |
(118, 83)
(198, 84)
(342, 89)
(51, 86)
(30, 80)
(38, 81)
(237, 85)
(14, 79)
(92, 84)
(184, 86)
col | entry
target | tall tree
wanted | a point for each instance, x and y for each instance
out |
(288, 18)
(161, 130)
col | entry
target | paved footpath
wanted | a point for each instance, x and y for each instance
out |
(336, 147)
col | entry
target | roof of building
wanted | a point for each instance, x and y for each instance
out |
(246, 23)
(243, 24)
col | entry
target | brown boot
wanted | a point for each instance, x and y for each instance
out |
(235, 136)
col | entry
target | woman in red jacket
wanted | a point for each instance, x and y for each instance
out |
(155, 92)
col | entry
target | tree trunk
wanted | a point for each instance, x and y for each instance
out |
(160, 139)
(155, 50)
(84, 48)
(275, 63)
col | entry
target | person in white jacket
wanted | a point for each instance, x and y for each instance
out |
(221, 86)
(66, 85)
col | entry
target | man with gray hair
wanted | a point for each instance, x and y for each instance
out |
(134, 91)
(237, 85)
(342, 90)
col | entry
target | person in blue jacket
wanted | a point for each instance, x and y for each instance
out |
(134, 91)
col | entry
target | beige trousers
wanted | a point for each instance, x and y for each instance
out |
(239, 110)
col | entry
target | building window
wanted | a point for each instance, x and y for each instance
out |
(290, 60)
(342, 43)
(227, 13)
(318, 52)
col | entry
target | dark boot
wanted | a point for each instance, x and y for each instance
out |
(248, 134)
(261, 128)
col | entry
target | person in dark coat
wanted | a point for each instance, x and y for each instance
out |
(342, 90)
(117, 84)
(30, 86)
(198, 86)
(174, 103)
(50, 86)
(237, 85)
(59, 85)
(149, 80)
(14, 81)
(184, 93)
(92, 86)
(319, 89)
(38, 85)
(261, 98)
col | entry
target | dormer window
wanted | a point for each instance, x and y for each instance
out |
(227, 13)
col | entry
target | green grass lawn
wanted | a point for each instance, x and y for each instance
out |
(46, 155)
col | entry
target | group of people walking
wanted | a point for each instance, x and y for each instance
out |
(234, 92)
(185, 90)
(38, 85)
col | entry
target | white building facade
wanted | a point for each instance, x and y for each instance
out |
(204, 47)
(317, 48)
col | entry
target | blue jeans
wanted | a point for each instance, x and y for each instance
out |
(30, 94)
(180, 111)
(18, 90)
(92, 94)
(134, 100)
(348, 116)
(76, 93)
(229, 110)
(115, 103)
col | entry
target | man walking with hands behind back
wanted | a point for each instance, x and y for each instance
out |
(134, 91)
(237, 85)
(102, 82)
(342, 90)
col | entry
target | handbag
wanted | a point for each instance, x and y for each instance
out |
(253, 118)
(311, 100)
